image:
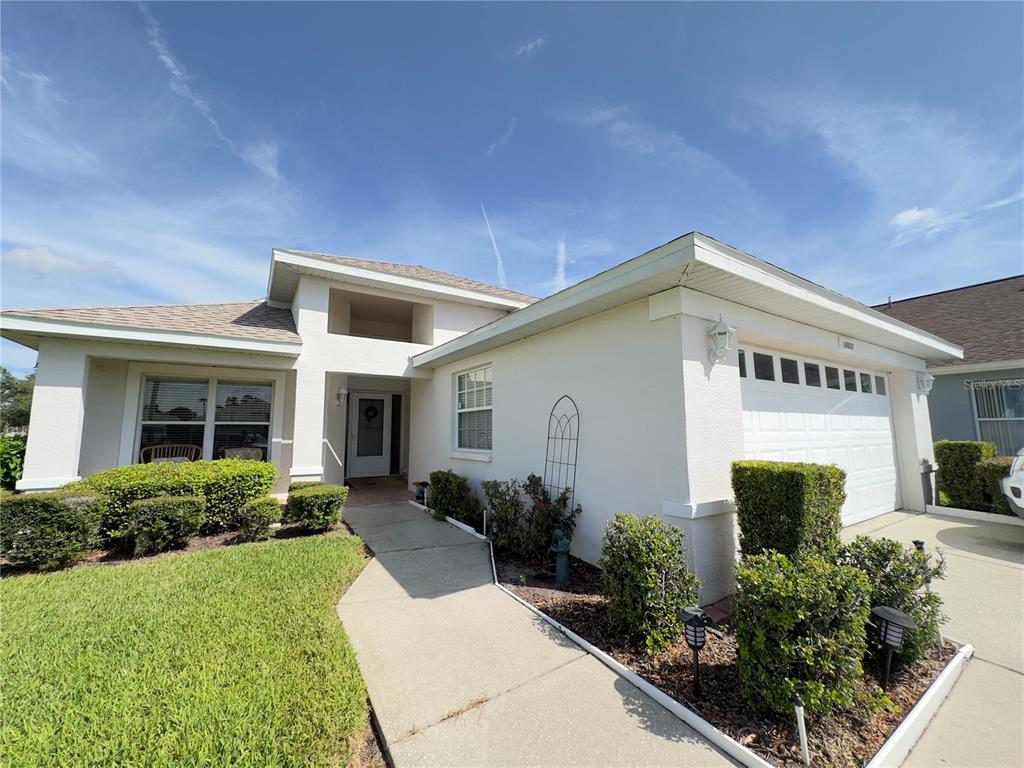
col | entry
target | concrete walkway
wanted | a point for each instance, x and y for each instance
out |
(460, 674)
(979, 724)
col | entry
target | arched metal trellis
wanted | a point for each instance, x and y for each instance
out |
(562, 448)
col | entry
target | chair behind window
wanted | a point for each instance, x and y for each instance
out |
(170, 452)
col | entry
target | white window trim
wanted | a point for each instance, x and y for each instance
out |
(132, 416)
(974, 407)
(471, 454)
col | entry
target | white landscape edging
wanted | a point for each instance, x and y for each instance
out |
(896, 748)
(891, 753)
(973, 514)
(458, 524)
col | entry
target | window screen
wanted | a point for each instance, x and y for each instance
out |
(474, 400)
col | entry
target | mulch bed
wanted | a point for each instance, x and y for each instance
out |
(849, 739)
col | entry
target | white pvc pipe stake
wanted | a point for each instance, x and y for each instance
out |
(805, 753)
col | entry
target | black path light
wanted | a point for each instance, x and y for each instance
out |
(694, 622)
(892, 624)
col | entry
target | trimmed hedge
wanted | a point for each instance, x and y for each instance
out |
(317, 507)
(645, 579)
(163, 522)
(226, 484)
(897, 576)
(958, 481)
(451, 496)
(989, 473)
(788, 507)
(298, 485)
(799, 630)
(256, 517)
(48, 530)
(12, 457)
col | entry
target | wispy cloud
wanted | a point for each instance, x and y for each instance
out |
(527, 51)
(506, 137)
(499, 262)
(260, 155)
(561, 261)
(39, 84)
(41, 261)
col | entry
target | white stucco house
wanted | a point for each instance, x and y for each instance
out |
(354, 368)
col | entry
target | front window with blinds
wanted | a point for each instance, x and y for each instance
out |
(474, 399)
(176, 423)
(999, 406)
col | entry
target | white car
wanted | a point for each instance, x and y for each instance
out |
(1013, 484)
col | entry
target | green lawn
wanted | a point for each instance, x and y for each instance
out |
(225, 657)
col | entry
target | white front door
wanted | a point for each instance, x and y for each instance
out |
(369, 434)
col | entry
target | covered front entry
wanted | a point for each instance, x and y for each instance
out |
(800, 409)
(369, 439)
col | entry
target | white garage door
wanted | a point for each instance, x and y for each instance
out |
(798, 409)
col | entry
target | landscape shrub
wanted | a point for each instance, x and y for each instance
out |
(162, 523)
(898, 576)
(800, 630)
(12, 457)
(298, 485)
(545, 518)
(958, 481)
(226, 484)
(506, 514)
(257, 516)
(989, 473)
(451, 496)
(788, 507)
(645, 579)
(48, 530)
(317, 507)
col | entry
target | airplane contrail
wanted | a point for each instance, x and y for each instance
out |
(497, 254)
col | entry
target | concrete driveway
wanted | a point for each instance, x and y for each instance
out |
(460, 674)
(981, 724)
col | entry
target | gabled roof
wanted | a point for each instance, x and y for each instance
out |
(707, 268)
(254, 321)
(986, 319)
(411, 272)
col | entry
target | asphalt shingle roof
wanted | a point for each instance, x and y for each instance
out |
(419, 273)
(243, 319)
(987, 319)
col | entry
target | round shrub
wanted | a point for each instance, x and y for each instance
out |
(800, 629)
(318, 507)
(958, 481)
(451, 496)
(788, 507)
(164, 522)
(646, 580)
(48, 530)
(506, 513)
(257, 516)
(897, 576)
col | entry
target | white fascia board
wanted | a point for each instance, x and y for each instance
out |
(743, 265)
(48, 327)
(393, 282)
(671, 255)
(998, 365)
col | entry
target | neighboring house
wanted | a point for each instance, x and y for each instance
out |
(355, 368)
(981, 396)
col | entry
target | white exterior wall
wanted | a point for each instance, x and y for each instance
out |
(104, 409)
(624, 373)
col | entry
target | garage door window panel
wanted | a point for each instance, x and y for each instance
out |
(764, 367)
(790, 370)
(850, 379)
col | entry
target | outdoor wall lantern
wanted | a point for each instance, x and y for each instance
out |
(340, 396)
(892, 624)
(694, 622)
(722, 336)
(924, 383)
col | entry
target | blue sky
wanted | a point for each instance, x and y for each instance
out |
(155, 154)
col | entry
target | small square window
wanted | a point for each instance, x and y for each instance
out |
(832, 377)
(743, 364)
(790, 370)
(865, 383)
(764, 367)
(879, 385)
(850, 378)
(812, 374)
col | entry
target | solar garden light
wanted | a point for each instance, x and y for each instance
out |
(892, 625)
(694, 623)
(801, 727)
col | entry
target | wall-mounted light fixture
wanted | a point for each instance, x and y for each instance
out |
(340, 397)
(721, 336)
(924, 383)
